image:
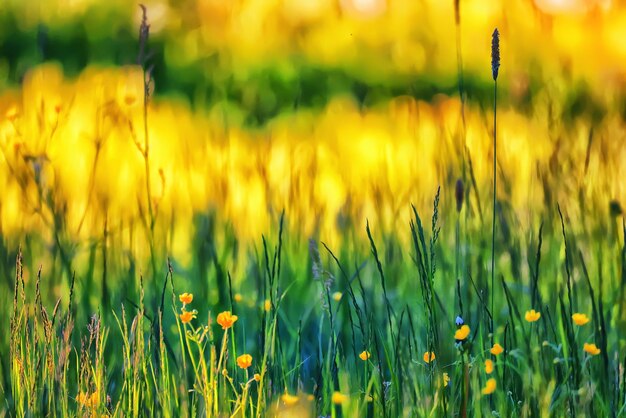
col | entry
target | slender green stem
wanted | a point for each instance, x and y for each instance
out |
(493, 224)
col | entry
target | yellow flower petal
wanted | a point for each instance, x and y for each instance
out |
(490, 387)
(497, 349)
(532, 315)
(462, 333)
(580, 319)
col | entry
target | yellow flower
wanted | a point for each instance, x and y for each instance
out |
(224, 372)
(339, 398)
(310, 398)
(226, 319)
(244, 361)
(488, 366)
(257, 377)
(490, 387)
(267, 305)
(429, 356)
(82, 398)
(186, 298)
(446, 379)
(337, 296)
(580, 319)
(365, 355)
(289, 399)
(497, 349)
(462, 333)
(532, 315)
(238, 297)
(186, 317)
(591, 349)
(87, 400)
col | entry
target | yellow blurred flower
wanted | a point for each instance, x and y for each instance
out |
(532, 315)
(339, 398)
(446, 379)
(364, 355)
(226, 319)
(257, 377)
(462, 333)
(186, 298)
(337, 296)
(488, 366)
(289, 399)
(490, 387)
(267, 305)
(237, 297)
(86, 400)
(497, 349)
(591, 349)
(186, 317)
(580, 319)
(244, 361)
(429, 356)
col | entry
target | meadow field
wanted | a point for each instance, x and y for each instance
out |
(312, 208)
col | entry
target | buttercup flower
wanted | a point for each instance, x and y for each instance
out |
(86, 400)
(497, 349)
(364, 355)
(186, 317)
(186, 298)
(580, 319)
(289, 399)
(226, 319)
(490, 387)
(532, 315)
(446, 379)
(257, 377)
(488, 366)
(238, 297)
(244, 361)
(429, 356)
(462, 333)
(267, 305)
(338, 398)
(337, 296)
(591, 349)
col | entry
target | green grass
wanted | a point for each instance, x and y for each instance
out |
(397, 302)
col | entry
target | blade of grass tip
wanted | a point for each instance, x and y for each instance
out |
(381, 275)
(481, 300)
(354, 303)
(514, 311)
(366, 311)
(535, 295)
(567, 264)
(474, 186)
(280, 246)
(546, 309)
(230, 293)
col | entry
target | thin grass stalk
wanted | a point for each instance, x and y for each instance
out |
(495, 65)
